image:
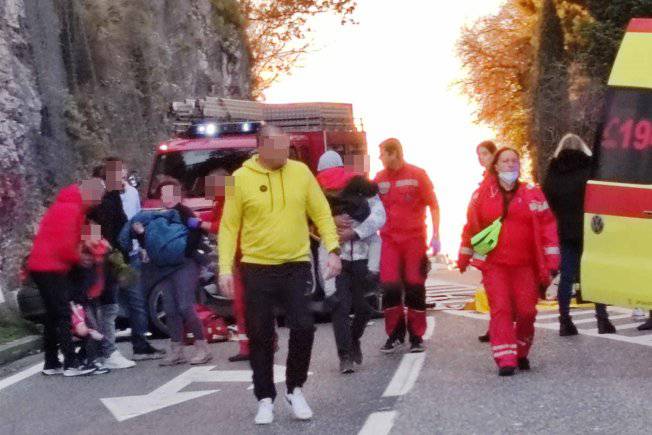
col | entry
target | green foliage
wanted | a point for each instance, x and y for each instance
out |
(228, 12)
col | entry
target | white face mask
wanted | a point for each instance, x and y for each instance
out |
(508, 177)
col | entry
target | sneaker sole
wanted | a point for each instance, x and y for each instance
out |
(85, 373)
(52, 374)
(112, 367)
(296, 417)
(417, 350)
(147, 357)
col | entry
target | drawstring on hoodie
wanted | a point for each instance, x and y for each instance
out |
(271, 192)
(283, 186)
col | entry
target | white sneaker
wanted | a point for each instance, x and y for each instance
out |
(117, 361)
(299, 406)
(265, 414)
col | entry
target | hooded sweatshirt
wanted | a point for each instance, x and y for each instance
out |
(270, 210)
(58, 240)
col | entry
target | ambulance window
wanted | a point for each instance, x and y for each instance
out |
(624, 151)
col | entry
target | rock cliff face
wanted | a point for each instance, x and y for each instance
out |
(81, 80)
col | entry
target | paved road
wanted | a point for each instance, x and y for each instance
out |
(583, 384)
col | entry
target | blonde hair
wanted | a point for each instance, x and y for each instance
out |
(572, 141)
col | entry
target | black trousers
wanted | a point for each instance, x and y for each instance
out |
(56, 289)
(351, 285)
(288, 285)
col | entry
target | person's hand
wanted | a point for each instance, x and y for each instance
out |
(144, 257)
(227, 285)
(138, 228)
(333, 266)
(86, 260)
(463, 263)
(346, 234)
(343, 221)
(435, 245)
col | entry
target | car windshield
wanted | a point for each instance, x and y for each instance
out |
(190, 168)
(624, 149)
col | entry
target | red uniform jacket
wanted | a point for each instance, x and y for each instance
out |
(528, 235)
(57, 243)
(405, 194)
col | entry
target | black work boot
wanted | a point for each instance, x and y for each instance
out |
(484, 338)
(356, 352)
(507, 371)
(647, 326)
(605, 326)
(566, 326)
(523, 363)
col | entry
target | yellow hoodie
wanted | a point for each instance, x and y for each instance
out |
(270, 211)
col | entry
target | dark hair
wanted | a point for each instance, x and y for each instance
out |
(169, 182)
(488, 145)
(392, 146)
(98, 172)
(113, 159)
(267, 130)
(502, 150)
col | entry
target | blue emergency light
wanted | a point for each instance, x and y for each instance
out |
(209, 128)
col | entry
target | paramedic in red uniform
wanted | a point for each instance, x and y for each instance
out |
(406, 192)
(524, 259)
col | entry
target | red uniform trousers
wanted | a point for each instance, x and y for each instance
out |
(403, 277)
(513, 295)
(239, 311)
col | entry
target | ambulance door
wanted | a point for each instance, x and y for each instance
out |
(617, 260)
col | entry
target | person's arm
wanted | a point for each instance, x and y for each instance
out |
(374, 222)
(549, 236)
(430, 199)
(470, 229)
(319, 212)
(230, 225)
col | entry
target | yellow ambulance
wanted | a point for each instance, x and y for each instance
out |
(617, 260)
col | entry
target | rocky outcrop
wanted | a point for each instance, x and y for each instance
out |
(85, 79)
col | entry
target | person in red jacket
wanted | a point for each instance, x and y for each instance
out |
(215, 185)
(524, 259)
(56, 251)
(406, 191)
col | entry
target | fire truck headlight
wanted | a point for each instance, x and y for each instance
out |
(211, 129)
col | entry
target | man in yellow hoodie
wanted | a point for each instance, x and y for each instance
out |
(268, 207)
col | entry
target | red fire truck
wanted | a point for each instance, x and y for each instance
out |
(217, 133)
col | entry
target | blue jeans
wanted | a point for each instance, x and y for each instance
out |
(132, 298)
(570, 266)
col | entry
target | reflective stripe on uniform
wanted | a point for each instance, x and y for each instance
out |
(504, 346)
(505, 353)
(553, 250)
(407, 182)
(466, 251)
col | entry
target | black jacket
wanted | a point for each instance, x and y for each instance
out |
(564, 188)
(352, 200)
(110, 215)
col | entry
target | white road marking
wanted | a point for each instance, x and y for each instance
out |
(593, 319)
(14, 379)
(556, 314)
(409, 369)
(124, 408)
(430, 327)
(378, 423)
(643, 340)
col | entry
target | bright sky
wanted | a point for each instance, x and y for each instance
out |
(397, 68)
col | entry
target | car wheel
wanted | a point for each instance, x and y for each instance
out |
(157, 312)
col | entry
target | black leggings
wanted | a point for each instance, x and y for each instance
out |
(56, 290)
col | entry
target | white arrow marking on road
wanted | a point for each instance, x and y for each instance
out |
(124, 408)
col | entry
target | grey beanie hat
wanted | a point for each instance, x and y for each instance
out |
(330, 159)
